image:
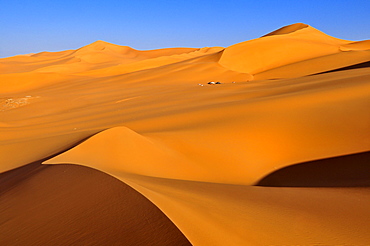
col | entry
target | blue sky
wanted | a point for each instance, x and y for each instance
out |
(44, 25)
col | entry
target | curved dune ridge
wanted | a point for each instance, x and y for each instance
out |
(50, 205)
(287, 29)
(277, 154)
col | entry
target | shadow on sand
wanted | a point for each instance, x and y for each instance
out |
(356, 66)
(343, 171)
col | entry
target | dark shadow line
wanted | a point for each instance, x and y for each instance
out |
(356, 66)
(343, 171)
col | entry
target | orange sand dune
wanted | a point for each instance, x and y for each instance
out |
(150, 63)
(285, 46)
(19, 64)
(98, 54)
(74, 205)
(149, 118)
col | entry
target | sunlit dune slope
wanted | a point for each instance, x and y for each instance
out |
(150, 119)
(223, 214)
(360, 45)
(287, 29)
(150, 63)
(96, 55)
(96, 61)
(289, 45)
(101, 54)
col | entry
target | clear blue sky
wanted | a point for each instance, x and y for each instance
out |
(51, 25)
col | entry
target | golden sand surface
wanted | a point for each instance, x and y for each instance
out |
(197, 151)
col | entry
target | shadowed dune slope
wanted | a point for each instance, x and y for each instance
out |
(342, 171)
(75, 205)
(359, 65)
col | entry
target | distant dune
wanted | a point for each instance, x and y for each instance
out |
(276, 153)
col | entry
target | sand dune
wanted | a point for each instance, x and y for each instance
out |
(74, 205)
(150, 63)
(290, 111)
(285, 46)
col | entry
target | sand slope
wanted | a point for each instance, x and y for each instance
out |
(150, 119)
(289, 45)
(74, 205)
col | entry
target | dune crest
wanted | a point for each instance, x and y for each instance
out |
(287, 29)
(288, 45)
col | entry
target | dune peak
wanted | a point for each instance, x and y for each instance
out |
(102, 51)
(288, 29)
(99, 45)
(287, 45)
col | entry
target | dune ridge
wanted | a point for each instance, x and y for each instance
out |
(196, 151)
(287, 29)
(288, 45)
(31, 213)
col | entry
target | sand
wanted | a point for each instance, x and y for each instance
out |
(277, 154)
(75, 205)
